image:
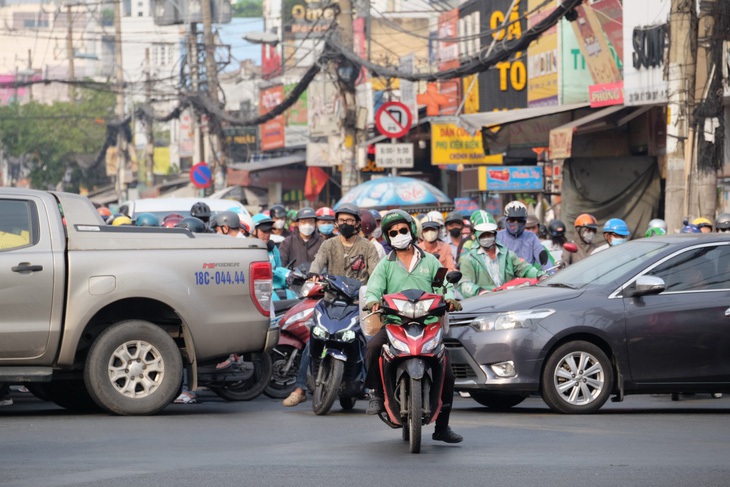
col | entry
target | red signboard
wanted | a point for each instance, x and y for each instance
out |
(606, 94)
(272, 132)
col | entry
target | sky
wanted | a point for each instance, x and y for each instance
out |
(232, 34)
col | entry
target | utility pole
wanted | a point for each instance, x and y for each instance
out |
(195, 83)
(150, 133)
(70, 53)
(211, 71)
(349, 171)
(681, 78)
(119, 78)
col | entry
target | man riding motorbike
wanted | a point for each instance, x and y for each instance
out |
(586, 226)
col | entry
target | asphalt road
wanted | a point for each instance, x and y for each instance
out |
(644, 441)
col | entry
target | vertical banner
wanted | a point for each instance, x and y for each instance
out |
(542, 59)
(575, 78)
(646, 32)
(272, 132)
(594, 47)
(296, 131)
(408, 90)
(324, 108)
(448, 51)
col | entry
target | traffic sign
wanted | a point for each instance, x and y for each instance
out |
(200, 175)
(394, 155)
(393, 119)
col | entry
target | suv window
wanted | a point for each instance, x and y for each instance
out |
(697, 269)
(16, 224)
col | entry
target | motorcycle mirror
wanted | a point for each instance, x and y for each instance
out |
(570, 247)
(543, 257)
(453, 277)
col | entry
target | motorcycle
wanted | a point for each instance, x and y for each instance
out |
(337, 346)
(285, 357)
(413, 362)
(531, 281)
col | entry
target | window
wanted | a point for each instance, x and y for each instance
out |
(17, 226)
(698, 269)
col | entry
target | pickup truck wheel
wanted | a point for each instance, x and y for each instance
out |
(133, 368)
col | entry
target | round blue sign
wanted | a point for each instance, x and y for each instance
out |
(200, 175)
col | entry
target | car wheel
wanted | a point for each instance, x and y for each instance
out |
(578, 378)
(496, 401)
(133, 368)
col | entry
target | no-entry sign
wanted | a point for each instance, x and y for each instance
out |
(393, 119)
(200, 175)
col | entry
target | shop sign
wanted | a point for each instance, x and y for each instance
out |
(272, 132)
(296, 130)
(594, 47)
(448, 52)
(451, 144)
(399, 156)
(307, 19)
(324, 107)
(607, 94)
(542, 59)
(561, 143)
(511, 178)
(465, 206)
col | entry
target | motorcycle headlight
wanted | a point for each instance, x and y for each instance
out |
(397, 344)
(345, 335)
(413, 310)
(431, 345)
(320, 332)
(510, 320)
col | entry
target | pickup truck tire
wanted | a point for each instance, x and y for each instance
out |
(251, 388)
(133, 368)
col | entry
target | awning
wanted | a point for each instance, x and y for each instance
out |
(272, 163)
(561, 138)
(491, 119)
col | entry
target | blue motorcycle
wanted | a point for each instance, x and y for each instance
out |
(337, 346)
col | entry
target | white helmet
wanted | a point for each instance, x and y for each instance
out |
(658, 223)
(435, 216)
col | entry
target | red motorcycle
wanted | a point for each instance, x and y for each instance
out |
(285, 357)
(413, 364)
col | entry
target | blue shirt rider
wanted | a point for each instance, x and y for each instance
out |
(262, 230)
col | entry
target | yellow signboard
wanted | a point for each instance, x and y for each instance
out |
(453, 145)
(542, 59)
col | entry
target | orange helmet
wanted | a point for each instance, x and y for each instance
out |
(586, 220)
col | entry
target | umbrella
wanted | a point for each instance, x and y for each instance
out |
(394, 192)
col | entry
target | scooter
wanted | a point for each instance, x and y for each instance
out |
(337, 346)
(285, 357)
(413, 362)
(531, 281)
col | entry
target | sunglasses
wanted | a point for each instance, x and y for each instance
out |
(394, 233)
(515, 220)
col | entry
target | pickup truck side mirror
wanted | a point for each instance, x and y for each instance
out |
(644, 286)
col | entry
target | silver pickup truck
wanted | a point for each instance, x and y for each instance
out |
(92, 314)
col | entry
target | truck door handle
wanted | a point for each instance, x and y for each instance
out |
(26, 267)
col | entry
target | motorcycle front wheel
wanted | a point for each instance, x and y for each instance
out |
(328, 385)
(415, 415)
(252, 387)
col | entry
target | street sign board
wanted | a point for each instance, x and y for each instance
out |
(200, 175)
(393, 119)
(394, 155)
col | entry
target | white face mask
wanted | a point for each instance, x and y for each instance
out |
(377, 233)
(306, 229)
(443, 233)
(486, 242)
(279, 224)
(401, 241)
(430, 236)
(617, 241)
(587, 236)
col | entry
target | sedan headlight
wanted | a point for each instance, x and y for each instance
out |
(510, 320)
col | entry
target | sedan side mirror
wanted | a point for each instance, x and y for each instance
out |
(644, 286)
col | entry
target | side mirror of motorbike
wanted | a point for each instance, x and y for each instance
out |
(543, 256)
(453, 277)
(570, 247)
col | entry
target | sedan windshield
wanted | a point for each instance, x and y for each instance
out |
(607, 266)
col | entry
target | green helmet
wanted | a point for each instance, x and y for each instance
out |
(147, 220)
(654, 232)
(397, 216)
(483, 222)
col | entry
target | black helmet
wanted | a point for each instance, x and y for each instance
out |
(454, 217)
(226, 218)
(397, 216)
(200, 210)
(515, 209)
(277, 211)
(556, 228)
(305, 213)
(722, 222)
(193, 224)
(349, 209)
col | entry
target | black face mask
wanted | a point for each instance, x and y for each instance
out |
(347, 231)
(455, 232)
(270, 245)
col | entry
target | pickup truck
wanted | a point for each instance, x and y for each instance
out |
(101, 316)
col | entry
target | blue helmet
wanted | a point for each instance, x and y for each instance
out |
(690, 228)
(617, 226)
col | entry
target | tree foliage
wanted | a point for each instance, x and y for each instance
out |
(247, 8)
(44, 140)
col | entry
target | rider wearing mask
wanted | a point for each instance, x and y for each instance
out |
(525, 244)
(491, 264)
(301, 247)
(585, 228)
(367, 227)
(431, 243)
(378, 232)
(616, 232)
(554, 244)
(262, 230)
(279, 231)
(722, 223)
(454, 225)
(227, 223)
(406, 267)
(326, 222)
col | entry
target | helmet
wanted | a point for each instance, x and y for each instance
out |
(515, 209)
(398, 216)
(305, 212)
(325, 213)
(104, 212)
(532, 221)
(429, 222)
(277, 211)
(556, 228)
(368, 222)
(702, 222)
(193, 224)
(689, 228)
(121, 220)
(147, 220)
(376, 215)
(171, 220)
(435, 216)
(658, 223)
(617, 226)
(200, 210)
(226, 218)
(586, 220)
(260, 219)
(654, 232)
(348, 209)
(177, 216)
(486, 225)
(723, 221)
(453, 217)
(500, 223)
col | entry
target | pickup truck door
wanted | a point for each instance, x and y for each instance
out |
(26, 278)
